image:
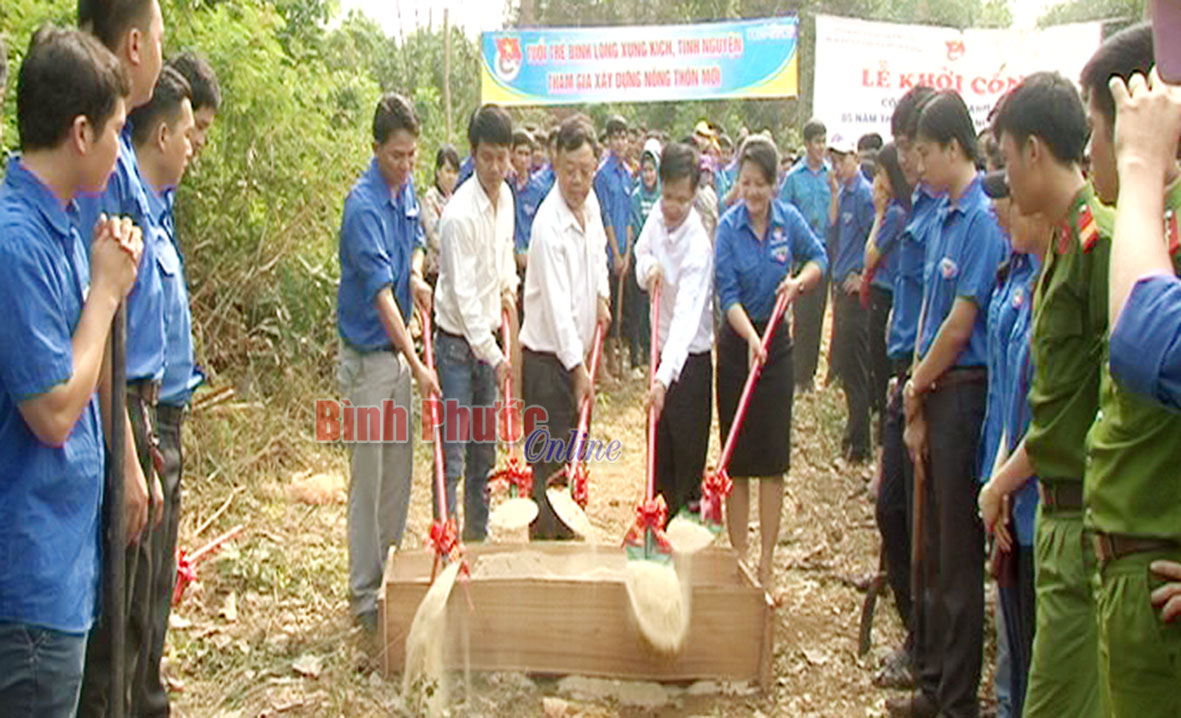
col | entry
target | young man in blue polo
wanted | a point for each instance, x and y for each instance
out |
(808, 187)
(162, 132)
(56, 307)
(613, 188)
(855, 213)
(381, 255)
(133, 30)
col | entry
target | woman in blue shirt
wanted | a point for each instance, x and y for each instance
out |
(1006, 419)
(758, 241)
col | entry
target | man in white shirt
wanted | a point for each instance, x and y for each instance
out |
(674, 256)
(566, 295)
(477, 280)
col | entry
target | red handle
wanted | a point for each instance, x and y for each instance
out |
(653, 357)
(744, 402)
(505, 333)
(584, 409)
(436, 430)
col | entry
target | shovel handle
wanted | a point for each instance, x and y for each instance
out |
(751, 378)
(653, 357)
(436, 431)
(584, 408)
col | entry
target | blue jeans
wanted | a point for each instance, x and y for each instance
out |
(40, 671)
(469, 429)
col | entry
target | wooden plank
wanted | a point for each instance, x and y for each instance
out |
(562, 625)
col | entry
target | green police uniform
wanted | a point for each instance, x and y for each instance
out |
(1133, 499)
(1068, 343)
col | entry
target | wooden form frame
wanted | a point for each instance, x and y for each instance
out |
(580, 623)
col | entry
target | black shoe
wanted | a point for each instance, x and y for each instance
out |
(916, 706)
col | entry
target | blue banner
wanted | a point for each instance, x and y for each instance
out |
(551, 66)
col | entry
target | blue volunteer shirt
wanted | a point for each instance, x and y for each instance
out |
(1009, 373)
(466, 169)
(180, 373)
(613, 188)
(526, 199)
(748, 268)
(378, 236)
(642, 201)
(910, 246)
(855, 220)
(544, 178)
(1145, 347)
(963, 253)
(49, 496)
(887, 245)
(127, 196)
(809, 192)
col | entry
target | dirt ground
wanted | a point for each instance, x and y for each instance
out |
(266, 631)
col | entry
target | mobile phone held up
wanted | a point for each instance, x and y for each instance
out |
(1166, 39)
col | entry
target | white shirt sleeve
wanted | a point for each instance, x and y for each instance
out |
(505, 259)
(645, 260)
(459, 256)
(693, 293)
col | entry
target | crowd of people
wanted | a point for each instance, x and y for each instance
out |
(1005, 303)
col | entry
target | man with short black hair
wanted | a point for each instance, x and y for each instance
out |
(162, 131)
(613, 187)
(133, 30)
(477, 282)
(206, 96)
(1132, 491)
(566, 295)
(807, 186)
(381, 255)
(1042, 129)
(56, 306)
(868, 147)
(674, 256)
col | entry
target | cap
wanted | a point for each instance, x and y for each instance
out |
(704, 129)
(996, 184)
(844, 144)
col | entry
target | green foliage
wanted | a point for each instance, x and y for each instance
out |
(1119, 13)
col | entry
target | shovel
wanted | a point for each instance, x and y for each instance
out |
(515, 480)
(653, 590)
(424, 642)
(716, 484)
(570, 503)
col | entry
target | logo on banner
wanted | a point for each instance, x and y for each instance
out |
(955, 50)
(508, 58)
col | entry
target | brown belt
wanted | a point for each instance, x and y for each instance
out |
(1111, 547)
(146, 389)
(1060, 495)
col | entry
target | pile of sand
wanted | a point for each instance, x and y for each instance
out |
(568, 511)
(423, 685)
(688, 536)
(659, 604)
(512, 515)
(526, 565)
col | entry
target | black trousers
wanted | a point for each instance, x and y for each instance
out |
(637, 324)
(951, 623)
(807, 323)
(153, 696)
(547, 384)
(682, 433)
(880, 303)
(851, 354)
(893, 509)
(95, 698)
(1018, 602)
(616, 329)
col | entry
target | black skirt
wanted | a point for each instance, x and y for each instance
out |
(763, 445)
